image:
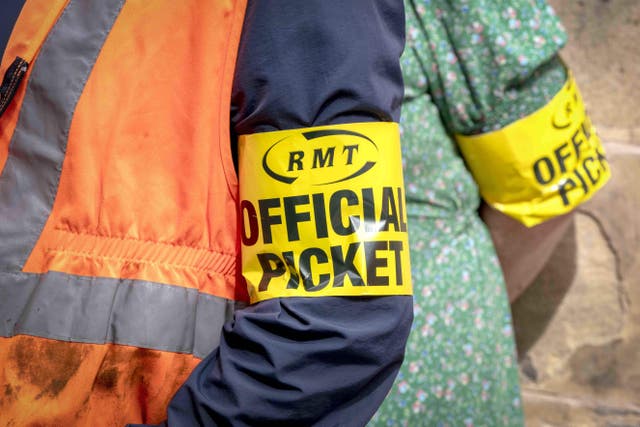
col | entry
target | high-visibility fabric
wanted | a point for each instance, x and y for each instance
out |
(101, 310)
(147, 176)
(45, 382)
(117, 206)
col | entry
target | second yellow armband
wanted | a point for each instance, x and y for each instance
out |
(541, 166)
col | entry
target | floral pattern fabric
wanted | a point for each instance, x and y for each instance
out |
(470, 66)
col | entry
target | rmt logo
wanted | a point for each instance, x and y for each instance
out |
(320, 157)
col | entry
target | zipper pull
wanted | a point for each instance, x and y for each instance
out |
(11, 81)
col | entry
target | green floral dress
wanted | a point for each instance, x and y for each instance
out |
(470, 66)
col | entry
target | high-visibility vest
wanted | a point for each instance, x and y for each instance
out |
(118, 210)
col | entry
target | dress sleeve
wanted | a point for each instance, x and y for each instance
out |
(493, 70)
(297, 361)
(488, 63)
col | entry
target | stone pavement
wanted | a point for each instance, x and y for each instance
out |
(578, 327)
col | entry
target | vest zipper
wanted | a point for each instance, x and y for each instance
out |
(11, 81)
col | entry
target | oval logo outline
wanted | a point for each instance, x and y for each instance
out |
(315, 136)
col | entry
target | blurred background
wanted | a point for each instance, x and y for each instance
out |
(578, 326)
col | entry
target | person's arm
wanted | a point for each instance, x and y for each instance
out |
(542, 166)
(532, 173)
(302, 361)
(520, 124)
(522, 251)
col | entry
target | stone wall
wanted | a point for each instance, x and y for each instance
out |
(578, 326)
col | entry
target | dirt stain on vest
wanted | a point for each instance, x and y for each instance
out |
(142, 362)
(48, 365)
(107, 379)
(9, 395)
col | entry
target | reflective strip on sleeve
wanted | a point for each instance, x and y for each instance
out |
(323, 212)
(102, 310)
(541, 166)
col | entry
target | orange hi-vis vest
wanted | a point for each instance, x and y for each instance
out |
(118, 202)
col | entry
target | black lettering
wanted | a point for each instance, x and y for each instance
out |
(403, 220)
(345, 266)
(295, 158)
(337, 217)
(266, 219)
(306, 270)
(538, 171)
(350, 149)
(251, 218)
(294, 278)
(389, 213)
(368, 210)
(586, 128)
(396, 246)
(593, 180)
(320, 215)
(323, 161)
(564, 188)
(602, 159)
(374, 262)
(293, 217)
(577, 142)
(272, 266)
(561, 157)
(582, 181)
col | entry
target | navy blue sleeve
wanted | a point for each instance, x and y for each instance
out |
(318, 62)
(9, 11)
(307, 361)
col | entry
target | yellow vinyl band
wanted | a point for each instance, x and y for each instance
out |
(323, 212)
(541, 166)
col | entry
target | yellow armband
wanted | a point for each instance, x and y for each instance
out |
(323, 212)
(541, 166)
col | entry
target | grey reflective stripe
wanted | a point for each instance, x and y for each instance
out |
(29, 181)
(100, 310)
